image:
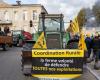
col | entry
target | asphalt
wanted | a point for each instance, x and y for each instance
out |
(10, 67)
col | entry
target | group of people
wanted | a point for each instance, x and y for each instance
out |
(6, 30)
(93, 47)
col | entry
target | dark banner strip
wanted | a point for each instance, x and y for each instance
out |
(57, 65)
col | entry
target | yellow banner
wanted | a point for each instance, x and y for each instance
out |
(57, 53)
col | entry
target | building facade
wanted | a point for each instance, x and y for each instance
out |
(18, 16)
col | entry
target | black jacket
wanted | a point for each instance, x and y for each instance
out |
(96, 43)
(88, 42)
(73, 44)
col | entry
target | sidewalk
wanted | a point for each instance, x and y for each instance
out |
(96, 73)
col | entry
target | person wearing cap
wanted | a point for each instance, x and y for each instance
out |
(96, 50)
(88, 42)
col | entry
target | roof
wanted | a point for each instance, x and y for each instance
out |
(35, 5)
(4, 4)
(53, 15)
(29, 5)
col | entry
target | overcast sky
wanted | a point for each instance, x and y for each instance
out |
(69, 8)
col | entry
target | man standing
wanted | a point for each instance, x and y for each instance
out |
(88, 42)
(96, 50)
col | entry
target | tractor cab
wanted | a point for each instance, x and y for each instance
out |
(53, 27)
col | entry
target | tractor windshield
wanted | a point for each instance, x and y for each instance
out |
(52, 24)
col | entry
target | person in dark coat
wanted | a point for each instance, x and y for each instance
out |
(96, 50)
(73, 43)
(88, 42)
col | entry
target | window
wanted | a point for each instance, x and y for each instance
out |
(6, 15)
(34, 15)
(15, 15)
(25, 15)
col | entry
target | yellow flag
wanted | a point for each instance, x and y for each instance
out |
(82, 44)
(41, 42)
(74, 26)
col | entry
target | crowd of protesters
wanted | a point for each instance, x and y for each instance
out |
(93, 47)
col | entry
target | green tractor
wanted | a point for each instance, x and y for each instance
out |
(52, 25)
